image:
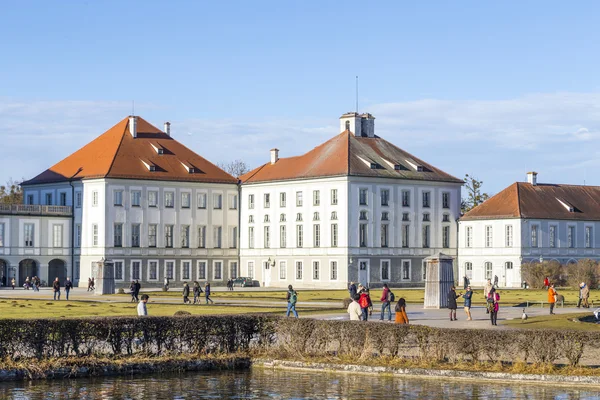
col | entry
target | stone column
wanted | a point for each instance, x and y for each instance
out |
(439, 278)
(103, 272)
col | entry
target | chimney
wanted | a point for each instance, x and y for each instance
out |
(133, 125)
(532, 178)
(367, 122)
(274, 156)
(168, 128)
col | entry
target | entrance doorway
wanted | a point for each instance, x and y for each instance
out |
(27, 268)
(363, 272)
(266, 274)
(4, 270)
(57, 268)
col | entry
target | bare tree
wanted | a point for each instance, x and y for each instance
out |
(236, 168)
(585, 271)
(474, 194)
(11, 193)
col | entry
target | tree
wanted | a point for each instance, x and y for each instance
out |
(11, 193)
(534, 273)
(474, 194)
(236, 168)
(585, 270)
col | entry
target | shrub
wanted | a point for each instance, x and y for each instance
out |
(535, 272)
(121, 291)
(585, 270)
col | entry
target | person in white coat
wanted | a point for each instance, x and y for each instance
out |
(141, 308)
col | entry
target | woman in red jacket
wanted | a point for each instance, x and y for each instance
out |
(365, 303)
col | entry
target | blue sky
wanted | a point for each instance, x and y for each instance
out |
(493, 90)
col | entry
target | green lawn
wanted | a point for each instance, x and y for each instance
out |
(561, 321)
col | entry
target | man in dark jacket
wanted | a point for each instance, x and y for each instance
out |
(352, 290)
(186, 293)
(452, 296)
(68, 287)
(136, 290)
(56, 288)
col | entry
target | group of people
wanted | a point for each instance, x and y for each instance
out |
(33, 283)
(230, 285)
(196, 290)
(68, 285)
(91, 285)
(361, 307)
(491, 297)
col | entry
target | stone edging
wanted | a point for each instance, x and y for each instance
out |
(429, 373)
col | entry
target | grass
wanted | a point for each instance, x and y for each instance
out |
(560, 321)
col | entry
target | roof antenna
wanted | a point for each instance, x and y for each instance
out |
(357, 94)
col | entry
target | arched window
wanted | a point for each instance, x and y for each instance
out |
(348, 125)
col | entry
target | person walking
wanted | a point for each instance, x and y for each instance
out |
(354, 309)
(131, 290)
(552, 296)
(90, 284)
(142, 310)
(36, 284)
(137, 287)
(466, 282)
(94, 284)
(197, 292)
(365, 303)
(12, 283)
(352, 290)
(467, 296)
(452, 296)
(546, 283)
(166, 284)
(292, 298)
(68, 287)
(486, 291)
(26, 286)
(56, 288)
(401, 317)
(186, 293)
(496, 281)
(207, 293)
(386, 300)
(585, 295)
(493, 306)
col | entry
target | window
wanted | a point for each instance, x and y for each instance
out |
(282, 199)
(298, 199)
(152, 229)
(267, 237)
(446, 217)
(77, 199)
(251, 269)
(334, 197)
(233, 237)
(233, 269)
(363, 235)
(334, 215)
(405, 270)
(202, 200)
(185, 236)
(170, 269)
(218, 270)
(317, 235)
(425, 238)
(445, 200)
(135, 235)
(333, 270)
(426, 217)
(78, 235)
(217, 201)
(469, 236)
(186, 269)
(426, 202)
(169, 199)
(94, 235)
(362, 216)
(347, 126)
(509, 236)
(136, 270)
(153, 270)
(118, 235)
(299, 217)
(119, 270)
(282, 237)
(316, 197)
(136, 197)
(282, 218)
(405, 217)
(118, 198)
(334, 235)
(168, 236)
(267, 198)
(385, 216)
(299, 236)
(49, 199)
(298, 270)
(362, 197)
(251, 237)
(202, 237)
(488, 270)
(94, 198)
(57, 235)
(282, 270)
(424, 270)
(385, 228)
(469, 270)
(316, 216)
(508, 265)
(30, 199)
(488, 236)
(315, 270)
(405, 237)
(552, 236)
(266, 218)
(185, 200)
(405, 198)
(385, 270)
(534, 236)
(385, 197)
(217, 235)
(233, 202)
(251, 219)
(445, 237)
(588, 236)
(250, 201)
(63, 199)
(152, 198)
(201, 270)
(571, 236)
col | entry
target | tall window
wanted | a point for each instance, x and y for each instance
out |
(282, 200)
(135, 235)
(185, 200)
(426, 198)
(118, 197)
(153, 270)
(316, 197)
(57, 235)
(202, 237)
(63, 199)
(152, 199)
(282, 270)
(469, 270)
(94, 198)
(385, 197)
(362, 197)
(2, 233)
(217, 237)
(362, 235)
(334, 197)
(201, 270)
(251, 269)
(202, 200)
(552, 236)
(136, 197)
(282, 237)
(217, 201)
(298, 199)
(118, 235)
(48, 199)
(385, 270)
(185, 236)
(570, 236)
(233, 202)
(251, 237)
(405, 270)
(445, 200)
(267, 237)
(299, 236)
(488, 270)
(94, 235)
(78, 235)
(169, 236)
(488, 236)
(509, 235)
(152, 230)
(119, 270)
(233, 269)
(298, 270)
(405, 198)
(334, 235)
(534, 236)
(405, 235)
(384, 235)
(267, 200)
(425, 238)
(169, 199)
(334, 270)
(77, 200)
(588, 237)
(218, 266)
(315, 270)
(186, 268)
(469, 236)
(317, 235)
(250, 201)
(170, 269)
(446, 237)
(233, 237)
(136, 267)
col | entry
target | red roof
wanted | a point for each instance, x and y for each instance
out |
(348, 155)
(117, 154)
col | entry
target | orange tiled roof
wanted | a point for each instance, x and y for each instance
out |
(116, 154)
(541, 201)
(348, 155)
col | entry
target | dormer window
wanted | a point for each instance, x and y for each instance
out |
(566, 205)
(157, 148)
(149, 165)
(189, 167)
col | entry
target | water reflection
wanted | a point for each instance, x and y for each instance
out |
(276, 384)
